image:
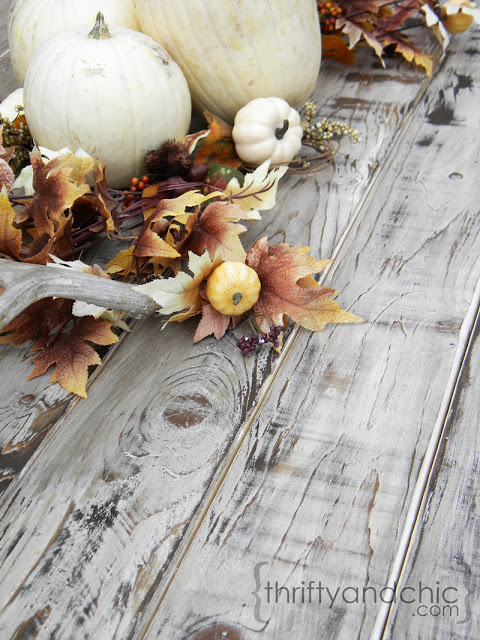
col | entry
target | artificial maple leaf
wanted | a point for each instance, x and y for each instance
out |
(149, 243)
(91, 213)
(355, 31)
(218, 147)
(10, 237)
(191, 141)
(216, 230)
(335, 48)
(287, 288)
(72, 355)
(181, 295)
(409, 51)
(123, 263)
(42, 247)
(212, 322)
(54, 192)
(37, 321)
(109, 205)
(258, 191)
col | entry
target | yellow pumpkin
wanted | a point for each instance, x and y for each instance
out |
(233, 288)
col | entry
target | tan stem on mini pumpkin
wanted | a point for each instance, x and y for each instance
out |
(100, 28)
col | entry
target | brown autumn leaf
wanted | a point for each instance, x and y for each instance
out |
(10, 236)
(217, 230)
(287, 288)
(335, 48)
(54, 192)
(108, 205)
(37, 321)
(149, 243)
(409, 51)
(218, 147)
(212, 322)
(40, 249)
(72, 355)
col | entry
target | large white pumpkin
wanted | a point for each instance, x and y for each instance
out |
(31, 22)
(232, 51)
(115, 97)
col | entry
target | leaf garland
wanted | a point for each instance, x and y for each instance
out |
(178, 233)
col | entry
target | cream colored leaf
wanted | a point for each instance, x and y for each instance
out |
(181, 295)
(259, 189)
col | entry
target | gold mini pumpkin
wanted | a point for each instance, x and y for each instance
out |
(233, 288)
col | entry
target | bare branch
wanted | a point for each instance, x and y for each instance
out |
(28, 283)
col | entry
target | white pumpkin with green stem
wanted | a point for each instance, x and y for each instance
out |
(267, 129)
(233, 52)
(31, 22)
(114, 94)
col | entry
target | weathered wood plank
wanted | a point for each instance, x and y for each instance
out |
(91, 527)
(4, 11)
(319, 489)
(444, 552)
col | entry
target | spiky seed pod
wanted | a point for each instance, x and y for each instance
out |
(172, 159)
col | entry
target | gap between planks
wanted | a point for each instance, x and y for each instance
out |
(419, 495)
(267, 386)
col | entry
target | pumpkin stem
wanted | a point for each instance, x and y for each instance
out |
(236, 298)
(281, 131)
(100, 28)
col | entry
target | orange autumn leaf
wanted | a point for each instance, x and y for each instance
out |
(72, 355)
(335, 48)
(218, 147)
(37, 321)
(54, 192)
(10, 237)
(217, 230)
(287, 288)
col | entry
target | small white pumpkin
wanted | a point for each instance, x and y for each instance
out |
(8, 108)
(31, 22)
(267, 129)
(116, 96)
(233, 52)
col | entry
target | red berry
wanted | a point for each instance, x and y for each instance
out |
(134, 182)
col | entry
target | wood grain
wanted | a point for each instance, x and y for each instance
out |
(444, 553)
(320, 487)
(4, 11)
(95, 524)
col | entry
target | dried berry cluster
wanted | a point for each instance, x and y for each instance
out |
(249, 344)
(317, 134)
